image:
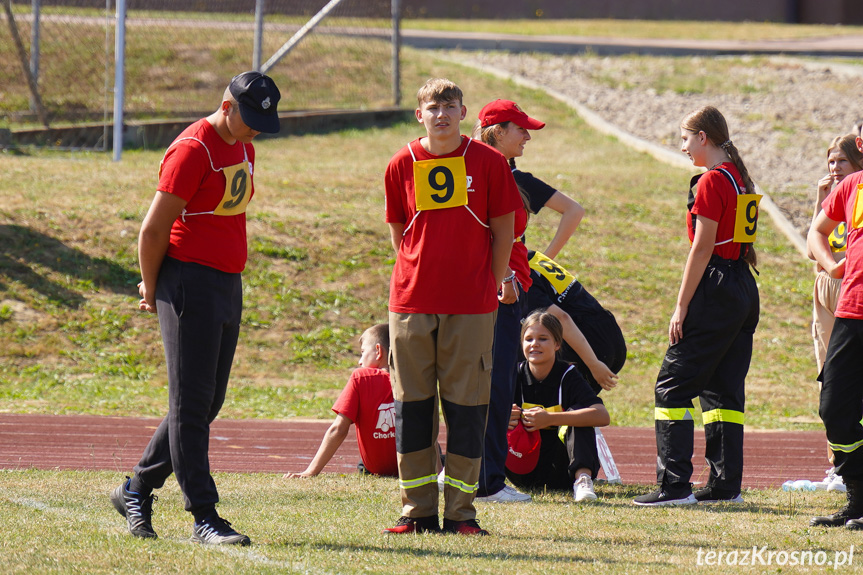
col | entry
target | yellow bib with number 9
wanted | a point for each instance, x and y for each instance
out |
(837, 238)
(746, 221)
(440, 183)
(559, 278)
(238, 190)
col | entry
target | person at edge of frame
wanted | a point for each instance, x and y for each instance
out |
(841, 401)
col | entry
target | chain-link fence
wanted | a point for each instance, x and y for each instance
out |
(179, 56)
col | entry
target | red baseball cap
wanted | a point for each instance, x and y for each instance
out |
(523, 449)
(501, 111)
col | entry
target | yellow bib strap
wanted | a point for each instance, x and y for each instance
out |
(440, 183)
(746, 214)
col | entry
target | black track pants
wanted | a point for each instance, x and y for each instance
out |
(709, 362)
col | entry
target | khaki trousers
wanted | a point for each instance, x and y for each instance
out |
(824, 301)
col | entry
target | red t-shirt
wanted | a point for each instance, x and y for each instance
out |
(192, 169)
(841, 206)
(716, 199)
(443, 264)
(367, 400)
(518, 258)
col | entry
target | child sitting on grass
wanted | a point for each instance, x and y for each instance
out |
(554, 394)
(367, 401)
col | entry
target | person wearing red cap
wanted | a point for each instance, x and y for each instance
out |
(192, 250)
(551, 394)
(503, 125)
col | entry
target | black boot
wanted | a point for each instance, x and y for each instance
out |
(852, 510)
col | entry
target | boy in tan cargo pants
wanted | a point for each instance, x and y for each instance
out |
(449, 204)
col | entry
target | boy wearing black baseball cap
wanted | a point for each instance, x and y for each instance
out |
(192, 250)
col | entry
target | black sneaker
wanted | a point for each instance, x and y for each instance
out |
(667, 495)
(854, 524)
(137, 510)
(838, 519)
(712, 494)
(217, 531)
(415, 525)
(469, 527)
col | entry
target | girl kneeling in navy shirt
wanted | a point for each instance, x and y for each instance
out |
(553, 398)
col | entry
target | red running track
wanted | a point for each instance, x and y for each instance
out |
(87, 442)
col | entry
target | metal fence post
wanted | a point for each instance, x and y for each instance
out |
(119, 77)
(34, 47)
(259, 34)
(397, 38)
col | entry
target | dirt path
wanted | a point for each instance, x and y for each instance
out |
(782, 112)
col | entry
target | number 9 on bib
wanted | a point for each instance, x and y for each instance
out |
(440, 183)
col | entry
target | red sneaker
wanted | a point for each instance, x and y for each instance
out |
(415, 525)
(469, 527)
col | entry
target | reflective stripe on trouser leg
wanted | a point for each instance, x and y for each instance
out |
(841, 405)
(674, 444)
(464, 363)
(414, 381)
(416, 455)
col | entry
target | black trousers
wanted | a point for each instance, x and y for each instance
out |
(841, 406)
(505, 354)
(199, 316)
(710, 362)
(559, 460)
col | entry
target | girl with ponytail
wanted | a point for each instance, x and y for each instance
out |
(711, 329)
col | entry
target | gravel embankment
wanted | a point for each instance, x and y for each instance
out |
(782, 112)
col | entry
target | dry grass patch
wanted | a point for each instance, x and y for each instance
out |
(332, 524)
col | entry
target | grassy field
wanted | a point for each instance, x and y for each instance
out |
(73, 342)
(63, 523)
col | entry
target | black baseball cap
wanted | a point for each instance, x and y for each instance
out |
(258, 97)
